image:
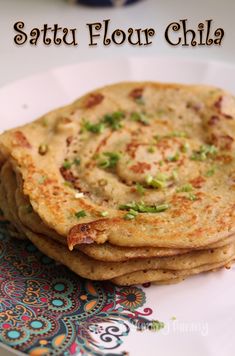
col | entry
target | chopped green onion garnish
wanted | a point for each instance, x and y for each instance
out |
(204, 152)
(68, 184)
(140, 189)
(185, 147)
(174, 174)
(151, 149)
(110, 160)
(141, 207)
(76, 161)
(113, 120)
(42, 179)
(185, 188)
(104, 213)
(161, 176)
(157, 137)
(67, 164)
(192, 197)
(158, 182)
(210, 172)
(131, 214)
(174, 158)
(109, 120)
(177, 134)
(94, 128)
(139, 117)
(80, 214)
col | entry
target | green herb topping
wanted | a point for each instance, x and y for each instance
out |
(67, 164)
(76, 161)
(171, 134)
(110, 160)
(185, 188)
(140, 189)
(204, 152)
(131, 215)
(151, 149)
(42, 179)
(141, 207)
(139, 117)
(94, 128)
(210, 172)
(185, 147)
(68, 184)
(192, 197)
(175, 174)
(80, 214)
(177, 134)
(113, 120)
(174, 158)
(159, 181)
(104, 213)
(109, 120)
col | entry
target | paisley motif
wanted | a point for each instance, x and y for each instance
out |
(46, 309)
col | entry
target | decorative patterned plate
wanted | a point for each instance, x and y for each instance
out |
(47, 310)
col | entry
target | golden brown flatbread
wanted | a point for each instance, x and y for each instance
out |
(157, 158)
(140, 173)
(162, 268)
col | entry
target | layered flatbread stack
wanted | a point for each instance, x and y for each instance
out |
(132, 183)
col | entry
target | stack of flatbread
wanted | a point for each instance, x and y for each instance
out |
(132, 183)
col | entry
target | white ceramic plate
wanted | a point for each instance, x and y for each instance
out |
(199, 313)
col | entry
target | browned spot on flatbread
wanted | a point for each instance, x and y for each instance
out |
(136, 93)
(68, 175)
(214, 119)
(219, 106)
(93, 100)
(195, 106)
(198, 182)
(218, 103)
(103, 142)
(224, 142)
(20, 140)
(140, 167)
(131, 148)
(226, 159)
(69, 140)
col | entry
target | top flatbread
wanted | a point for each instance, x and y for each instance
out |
(157, 160)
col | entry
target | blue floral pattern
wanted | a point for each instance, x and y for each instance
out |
(47, 309)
